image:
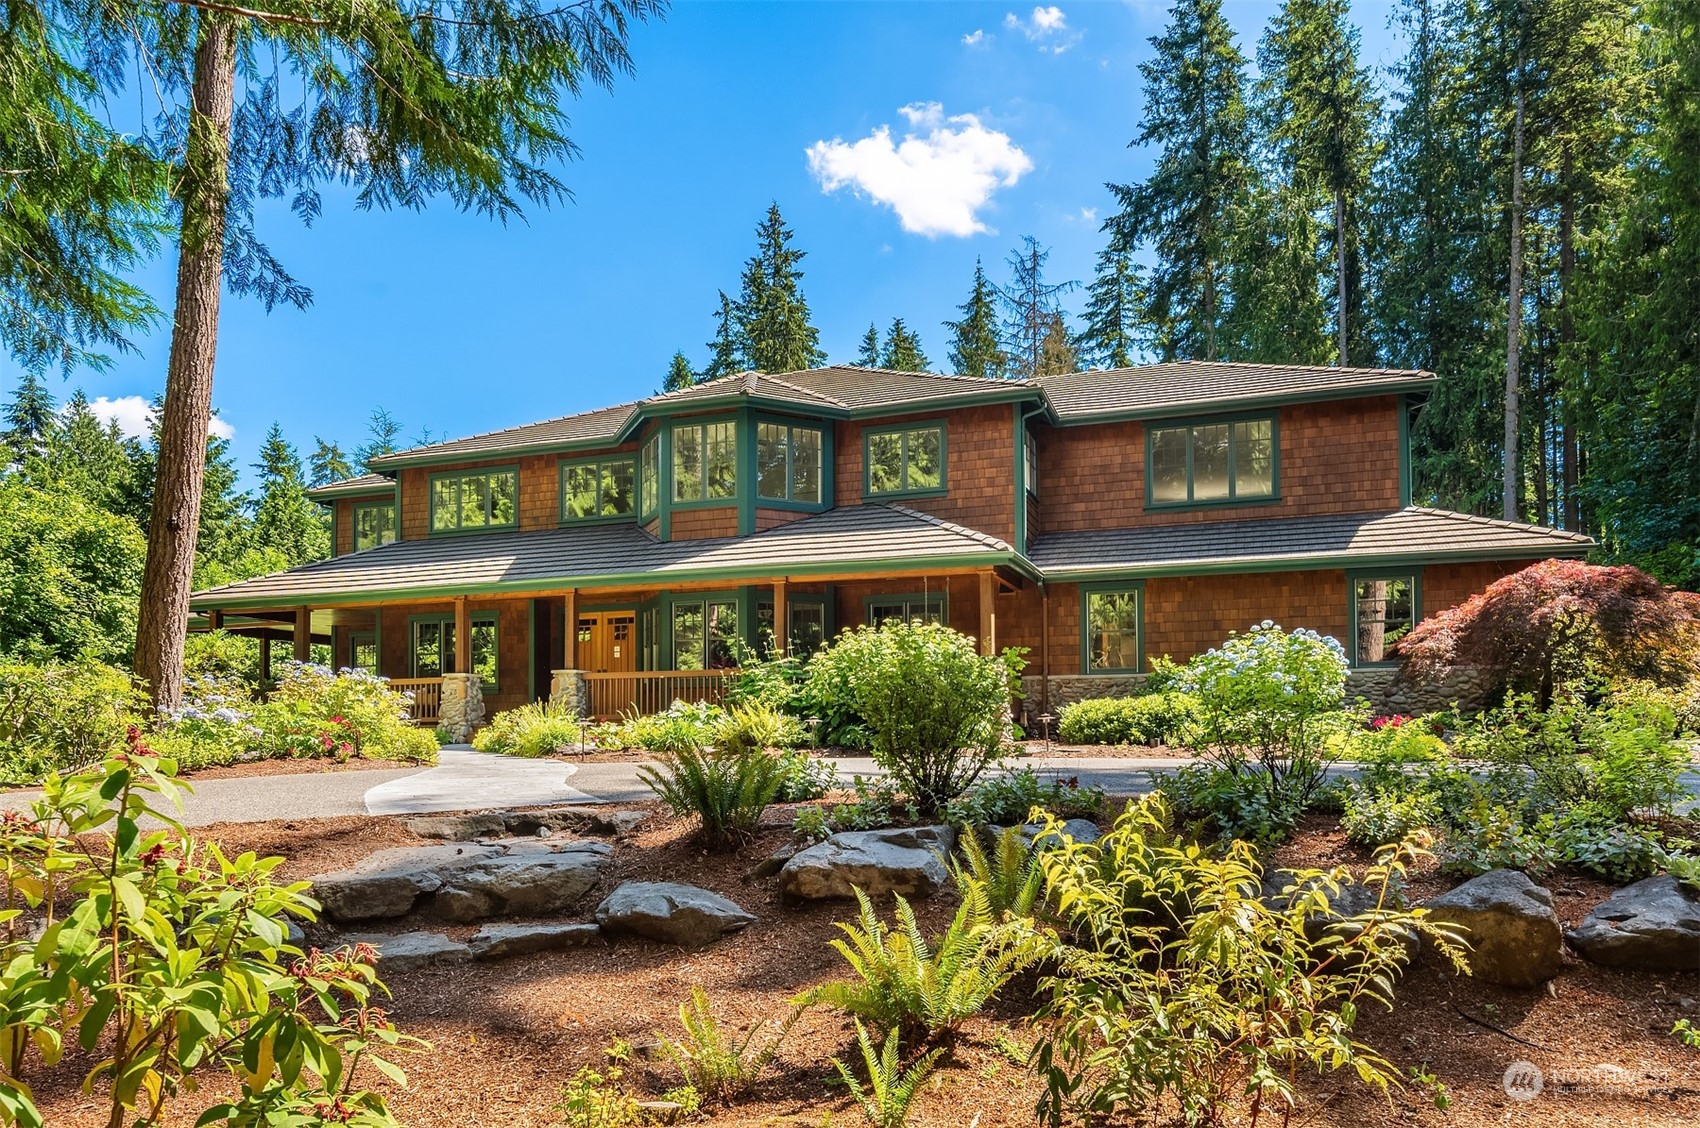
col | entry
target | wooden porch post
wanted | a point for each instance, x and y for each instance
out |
(265, 659)
(463, 637)
(303, 634)
(569, 645)
(215, 620)
(781, 624)
(988, 613)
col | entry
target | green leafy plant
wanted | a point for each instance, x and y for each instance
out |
(1178, 987)
(1008, 796)
(935, 710)
(1379, 819)
(682, 726)
(1231, 804)
(727, 791)
(170, 957)
(903, 981)
(1686, 1034)
(803, 777)
(538, 728)
(1685, 868)
(891, 1089)
(1152, 718)
(1007, 877)
(61, 716)
(755, 727)
(1582, 840)
(596, 1099)
(714, 1063)
(1490, 837)
(811, 824)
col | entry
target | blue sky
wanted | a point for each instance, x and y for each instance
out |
(1018, 115)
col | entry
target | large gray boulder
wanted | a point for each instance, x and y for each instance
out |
(465, 883)
(670, 913)
(1653, 925)
(499, 941)
(906, 860)
(1280, 888)
(1513, 935)
(390, 882)
(410, 951)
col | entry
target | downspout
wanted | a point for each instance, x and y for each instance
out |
(1044, 648)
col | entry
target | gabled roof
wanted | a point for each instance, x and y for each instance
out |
(601, 427)
(884, 538)
(353, 487)
(1346, 540)
(1195, 385)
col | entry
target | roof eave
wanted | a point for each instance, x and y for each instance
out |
(1300, 562)
(1220, 405)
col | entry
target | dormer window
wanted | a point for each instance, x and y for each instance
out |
(599, 489)
(465, 501)
(705, 462)
(788, 463)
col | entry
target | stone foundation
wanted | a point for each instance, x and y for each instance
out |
(569, 692)
(1384, 688)
(462, 708)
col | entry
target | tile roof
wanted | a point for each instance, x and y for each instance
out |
(364, 484)
(1330, 540)
(877, 536)
(600, 426)
(1217, 385)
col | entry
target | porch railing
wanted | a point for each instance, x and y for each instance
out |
(651, 691)
(427, 697)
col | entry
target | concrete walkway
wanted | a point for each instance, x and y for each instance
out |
(467, 780)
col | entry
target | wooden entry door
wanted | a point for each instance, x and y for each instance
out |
(607, 641)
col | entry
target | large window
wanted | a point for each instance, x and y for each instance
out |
(1112, 625)
(486, 499)
(604, 488)
(705, 634)
(905, 460)
(374, 524)
(434, 647)
(1384, 609)
(705, 461)
(363, 651)
(788, 463)
(928, 608)
(1206, 463)
(649, 482)
(806, 623)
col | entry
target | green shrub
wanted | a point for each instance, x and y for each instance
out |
(1007, 876)
(54, 717)
(372, 715)
(1490, 837)
(682, 726)
(1685, 1033)
(776, 683)
(1008, 797)
(891, 1089)
(812, 824)
(1154, 718)
(1685, 868)
(1181, 989)
(755, 727)
(1229, 804)
(229, 657)
(714, 1063)
(1396, 740)
(727, 791)
(936, 710)
(1583, 841)
(1378, 819)
(802, 777)
(539, 728)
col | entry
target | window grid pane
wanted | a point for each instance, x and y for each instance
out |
(805, 464)
(1385, 612)
(921, 458)
(1210, 462)
(1254, 459)
(1112, 626)
(687, 636)
(615, 488)
(581, 491)
(651, 477)
(687, 464)
(773, 451)
(374, 525)
(885, 462)
(721, 472)
(1168, 464)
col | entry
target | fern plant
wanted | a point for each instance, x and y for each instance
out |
(727, 791)
(902, 981)
(890, 1090)
(713, 1062)
(1010, 879)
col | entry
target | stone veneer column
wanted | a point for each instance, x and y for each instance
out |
(569, 692)
(462, 707)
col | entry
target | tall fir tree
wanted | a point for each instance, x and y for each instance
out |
(29, 418)
(285, 521)
(1187, 211)
(868, 354)
(728, 351)
(680, 375)
(902, 349)
(327, 464)
(1029, 303)
(773, 315)
(1111, 336)
(1056, 348)
(383, 434)
(90, 457)
(976, 347)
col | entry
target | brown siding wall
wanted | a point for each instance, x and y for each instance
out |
(773, 518)
(699, 524)
(961, 605)
(1337, 457)
(539, 490)
(1448, 585)
(979, 467)
(342, 526)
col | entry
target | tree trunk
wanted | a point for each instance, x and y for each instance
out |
(1340, 267)
(1514, 316)
(1568, 478)
(187, 411)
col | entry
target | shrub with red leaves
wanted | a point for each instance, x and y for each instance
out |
(1537, 629)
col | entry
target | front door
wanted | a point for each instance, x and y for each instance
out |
(607, 645)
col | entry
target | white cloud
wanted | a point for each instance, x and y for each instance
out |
(974, 38)
(936, 179)
(133, 413)
(1088, 215)
(1046, 25)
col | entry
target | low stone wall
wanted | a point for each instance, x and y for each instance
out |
(1384, 688)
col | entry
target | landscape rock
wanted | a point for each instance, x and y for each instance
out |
(774, 862)
(584, 819)
(1653, 925)
(1346, 902)
(390, 882)
(499, 941)
(292, 932)
(409, 951)
(670, 913)
(906, 860)
(1513, 935)
(457, 828)
(1081, 830)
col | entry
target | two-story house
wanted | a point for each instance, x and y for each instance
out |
(626, 556)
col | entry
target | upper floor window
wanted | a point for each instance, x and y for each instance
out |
(482, 499)
(705, 461)
(649, 482)
(903, 460)
(1384, 609)
(788, 463)
(1030, 462)
(1206, 463)
(374, 524)
(604, 488)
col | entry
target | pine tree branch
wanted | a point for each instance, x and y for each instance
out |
(251, 13)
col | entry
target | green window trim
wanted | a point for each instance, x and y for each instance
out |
(387, 527)
(907, 435)
(1134, 588)
(606, 474)
(784, 434)
(649, 478)
(1237, 444)
(1412, 576)
(358, 639)
(714, 642)
(929, 604)
(716, 479)
(814, 608)
(445, 643)
(456, 483)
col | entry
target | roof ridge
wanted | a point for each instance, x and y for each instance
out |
(925, 375)
(805, 391)
(1260, 365)
(951, 526)
(410, 451)
(1498, 522)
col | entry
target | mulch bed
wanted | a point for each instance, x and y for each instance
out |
(507, 1034)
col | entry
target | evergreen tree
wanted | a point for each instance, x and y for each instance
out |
(1115, 299)
(727, 352)
(1029, 304)
(902, 349)
(382, 430)
(772, 314)
(29, 418)
(1056, 349)
(868, 356)
(975, 347)
(679, 374)
(327, 463)
(1279, 315)
(1188, 210)
(284, 519)
(89, 457)
(1318, 112)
